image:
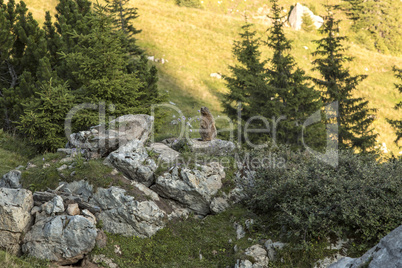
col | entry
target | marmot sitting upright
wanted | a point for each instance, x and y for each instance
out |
(207, 126)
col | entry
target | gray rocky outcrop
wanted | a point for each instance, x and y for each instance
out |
(11, 180)
(62, 239)
(387, 253)
(98, 142)
(134, 162)
(296, 17)
(164, 152)
(15, 217)
(216, 147)
(193, 188)
(122, 214)
(272, 248)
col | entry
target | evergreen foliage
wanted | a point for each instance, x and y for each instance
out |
(189, 3)
(82, 57)
(354, 118)
(308, 23)
(293, 96)
(248, 76)
(380, 20)
(397, 124)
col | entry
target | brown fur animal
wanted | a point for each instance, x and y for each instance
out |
(207, 125)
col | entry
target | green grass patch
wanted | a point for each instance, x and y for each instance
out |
(10, 261)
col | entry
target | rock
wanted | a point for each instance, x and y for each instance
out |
(102, 260)
(164, 152)
(98, 143)
(11, 180)
(122, 214)
(53, 206)
(35, 210)
(216, 75)
(258, 253)
(243, 264)
(272, 247)
(240, 233)
(15, 219)
(80, 188)
(295, 18)
(214, 147)
(101, 239)
(66, 160)
(193, 188)
(387, 253)
(73, 209)
(30, 165)
(62, 239)
(134, 162)
(63, 167)
(87, 214)
(218, 205)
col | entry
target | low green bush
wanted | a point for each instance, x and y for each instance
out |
(359, 199)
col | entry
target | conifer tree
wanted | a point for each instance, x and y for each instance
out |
(246, 76)
(354, 117)
(293, 96)
(397, 124)
(98, 69)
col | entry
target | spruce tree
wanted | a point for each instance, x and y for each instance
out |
(98, 68)
(397, 124)
(354, 118)
(246, 76)
(288, 91)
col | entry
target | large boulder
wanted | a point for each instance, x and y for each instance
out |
(164, 152)
(134, 162)
(15, 217)
(11, 180)
(81, 188)
(387, 253)
(62, 239)
(122, 214)
(98, 142)
(296, 17)
(193, 188)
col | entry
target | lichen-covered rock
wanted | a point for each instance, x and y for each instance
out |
(11, 180)
(387, 253)
(134, 162)
(164, 152)
(216, 147)
(193, 188)
(98, 142)
(15, 217)
(62, 239)
(122, 214)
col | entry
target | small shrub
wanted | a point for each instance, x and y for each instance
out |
(308, 23)
(360, 199)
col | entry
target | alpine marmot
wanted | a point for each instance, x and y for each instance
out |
(207, 126)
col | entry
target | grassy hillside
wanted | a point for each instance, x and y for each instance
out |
(198, 42)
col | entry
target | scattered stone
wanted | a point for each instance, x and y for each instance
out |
(240, 233)
(66, 160)
(63, 167)
(30, 165)
(216, 75)
(62, 239)
(46, 165)
(73, 209)
(387, 253)
(11, 180)
(102, 259)
(193, 188)
(53, 206)
(259, 254)
(101, 239)
(36, 209)
(272, 247)
(15, 207)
